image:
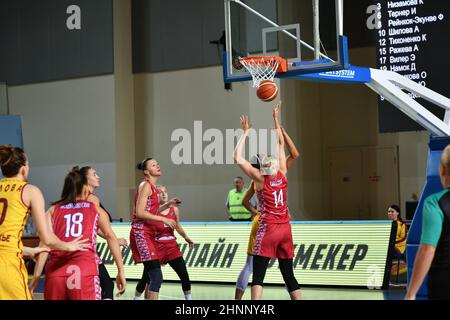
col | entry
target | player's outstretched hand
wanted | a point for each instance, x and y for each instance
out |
(245, 124)
(121, 284)
(276, 110)
(174, 202)
(78, 244)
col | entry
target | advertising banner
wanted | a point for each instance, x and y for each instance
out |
(332, 253)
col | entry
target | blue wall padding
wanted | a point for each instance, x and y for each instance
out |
(432, 185)
(11, 131)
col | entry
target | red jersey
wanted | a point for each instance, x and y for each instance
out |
(160, 231)
(69, 222)
(273, 199)
(152, 206)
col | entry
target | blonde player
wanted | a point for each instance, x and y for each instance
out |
(244, 275)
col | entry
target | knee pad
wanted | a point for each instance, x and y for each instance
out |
(156, 279)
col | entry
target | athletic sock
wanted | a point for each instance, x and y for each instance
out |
(136, 298)
(188, 297)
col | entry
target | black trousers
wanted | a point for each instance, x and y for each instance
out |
(106, 283)
(179, 266)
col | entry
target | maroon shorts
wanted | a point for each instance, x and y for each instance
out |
(274, 241)
(168, 251)
(70, 288)
(141, 246)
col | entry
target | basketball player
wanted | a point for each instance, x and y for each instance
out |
(74, 276)
(93, 182)
(146, 207)
(274, 235)
(17, 199)
(244, 275)
(167, 246)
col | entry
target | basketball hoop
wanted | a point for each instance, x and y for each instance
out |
(263, 67)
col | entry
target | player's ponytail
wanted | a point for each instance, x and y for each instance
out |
(142, 165)
(73, 187)
(11, 160)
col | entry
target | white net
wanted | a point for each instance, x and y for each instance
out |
(261, 68)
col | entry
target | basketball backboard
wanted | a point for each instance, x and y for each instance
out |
(251, 28)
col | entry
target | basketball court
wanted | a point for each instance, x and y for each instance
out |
(172, 291)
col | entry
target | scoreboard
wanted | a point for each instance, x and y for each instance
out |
(413, 39)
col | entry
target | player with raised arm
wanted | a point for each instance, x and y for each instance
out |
(242, 281)
(274, 235)
(17, 199)
(146, 207)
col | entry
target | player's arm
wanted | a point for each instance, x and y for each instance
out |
(174, 202)
(38, 268)
(422, 265)
(33, 252)
(180, 229)
(293, 152)
(246, 201)
(280, 138)
(113, 245)
(245, 166)
(433, 218)
(32, 197)
(145, 192)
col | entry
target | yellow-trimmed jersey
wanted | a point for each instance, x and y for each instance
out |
(254, 230)
(13, 216)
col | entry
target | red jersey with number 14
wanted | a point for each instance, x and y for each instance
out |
(69, 222)
(273, 199)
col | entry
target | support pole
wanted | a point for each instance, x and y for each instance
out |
(316, 29)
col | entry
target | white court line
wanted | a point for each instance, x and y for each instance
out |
(172, 298)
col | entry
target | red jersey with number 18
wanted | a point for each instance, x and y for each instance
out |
(69, 222)
(273, 199)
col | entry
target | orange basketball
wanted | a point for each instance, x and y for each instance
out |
(267, 91)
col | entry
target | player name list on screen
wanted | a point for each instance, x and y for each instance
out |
(413, 39)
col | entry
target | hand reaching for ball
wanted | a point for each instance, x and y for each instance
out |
(245, 125)
(276, 110)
